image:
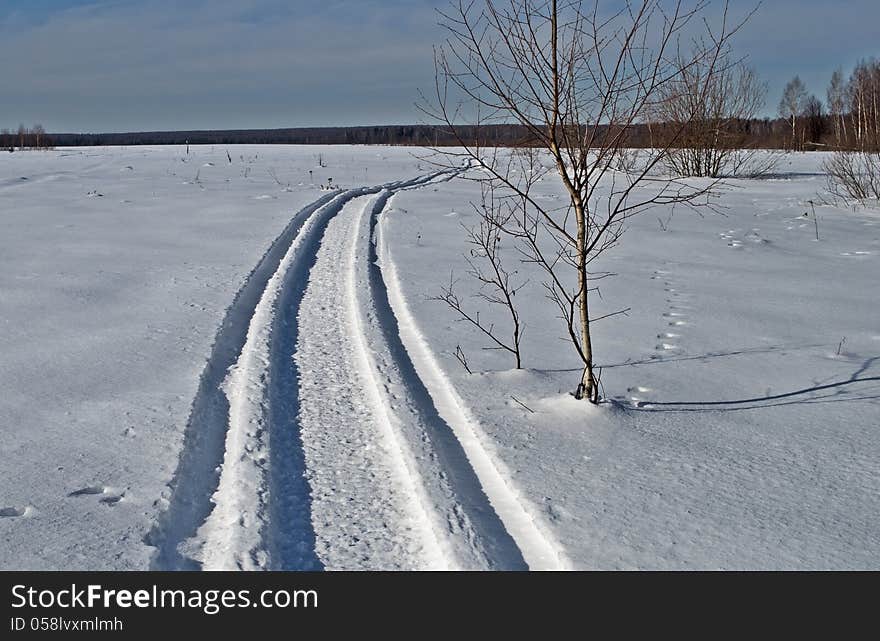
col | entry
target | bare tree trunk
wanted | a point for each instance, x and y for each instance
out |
(587, 387)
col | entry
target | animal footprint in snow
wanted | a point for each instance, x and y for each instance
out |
(14, 512)
(638, 389)
(666, 346)
(672, 314)
(109, 496)
(756, 238)
(88, 491)
(668, 335)
(678, 323)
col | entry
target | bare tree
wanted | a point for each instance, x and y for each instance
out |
(792, 104)
(854, 171)
(578, 80)
(864, 99)
(708, 110)
(497, 285)
(837, 105)
(854, 174)
(38, 133)
(813, 122)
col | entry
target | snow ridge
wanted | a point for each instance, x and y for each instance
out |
(325, 433)
(233, 533)
(198, 469)
(539, 549)
(463, 519)
(225, 452)
(364, 501)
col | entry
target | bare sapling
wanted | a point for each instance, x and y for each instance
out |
(578, 79)
(712, 108)
(497, 286)
(854, 175)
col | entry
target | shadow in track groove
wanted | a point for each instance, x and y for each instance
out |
(290, 536)
(499, 547)
(198, 469)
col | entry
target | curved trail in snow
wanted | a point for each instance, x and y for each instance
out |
(538, 548)
(202, 455)
(324, 435)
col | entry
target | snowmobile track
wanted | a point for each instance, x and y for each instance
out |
(229, 508)
(506, 525)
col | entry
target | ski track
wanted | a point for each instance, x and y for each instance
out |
(324, 435)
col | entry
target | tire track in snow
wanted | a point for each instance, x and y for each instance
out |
(236, 533)
(222, 439)
(362, 490)
(458, 511)
(240, 498)
(198, 469)
(457, 430)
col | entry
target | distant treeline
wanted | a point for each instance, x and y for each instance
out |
(417, 135)
(764, 133)
(849, 119)
(757, 133)
(25, 138)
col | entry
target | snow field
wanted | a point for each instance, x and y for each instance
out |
(204, 367)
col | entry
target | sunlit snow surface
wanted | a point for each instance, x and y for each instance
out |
(741, 428)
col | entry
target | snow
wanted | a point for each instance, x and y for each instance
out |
(372, 459)
(650, 481)
(539, 550)
(203, 366)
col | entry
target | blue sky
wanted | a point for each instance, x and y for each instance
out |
(125, 65)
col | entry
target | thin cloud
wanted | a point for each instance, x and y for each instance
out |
(159, 64)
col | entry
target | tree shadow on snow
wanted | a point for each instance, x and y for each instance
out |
(834, 392)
